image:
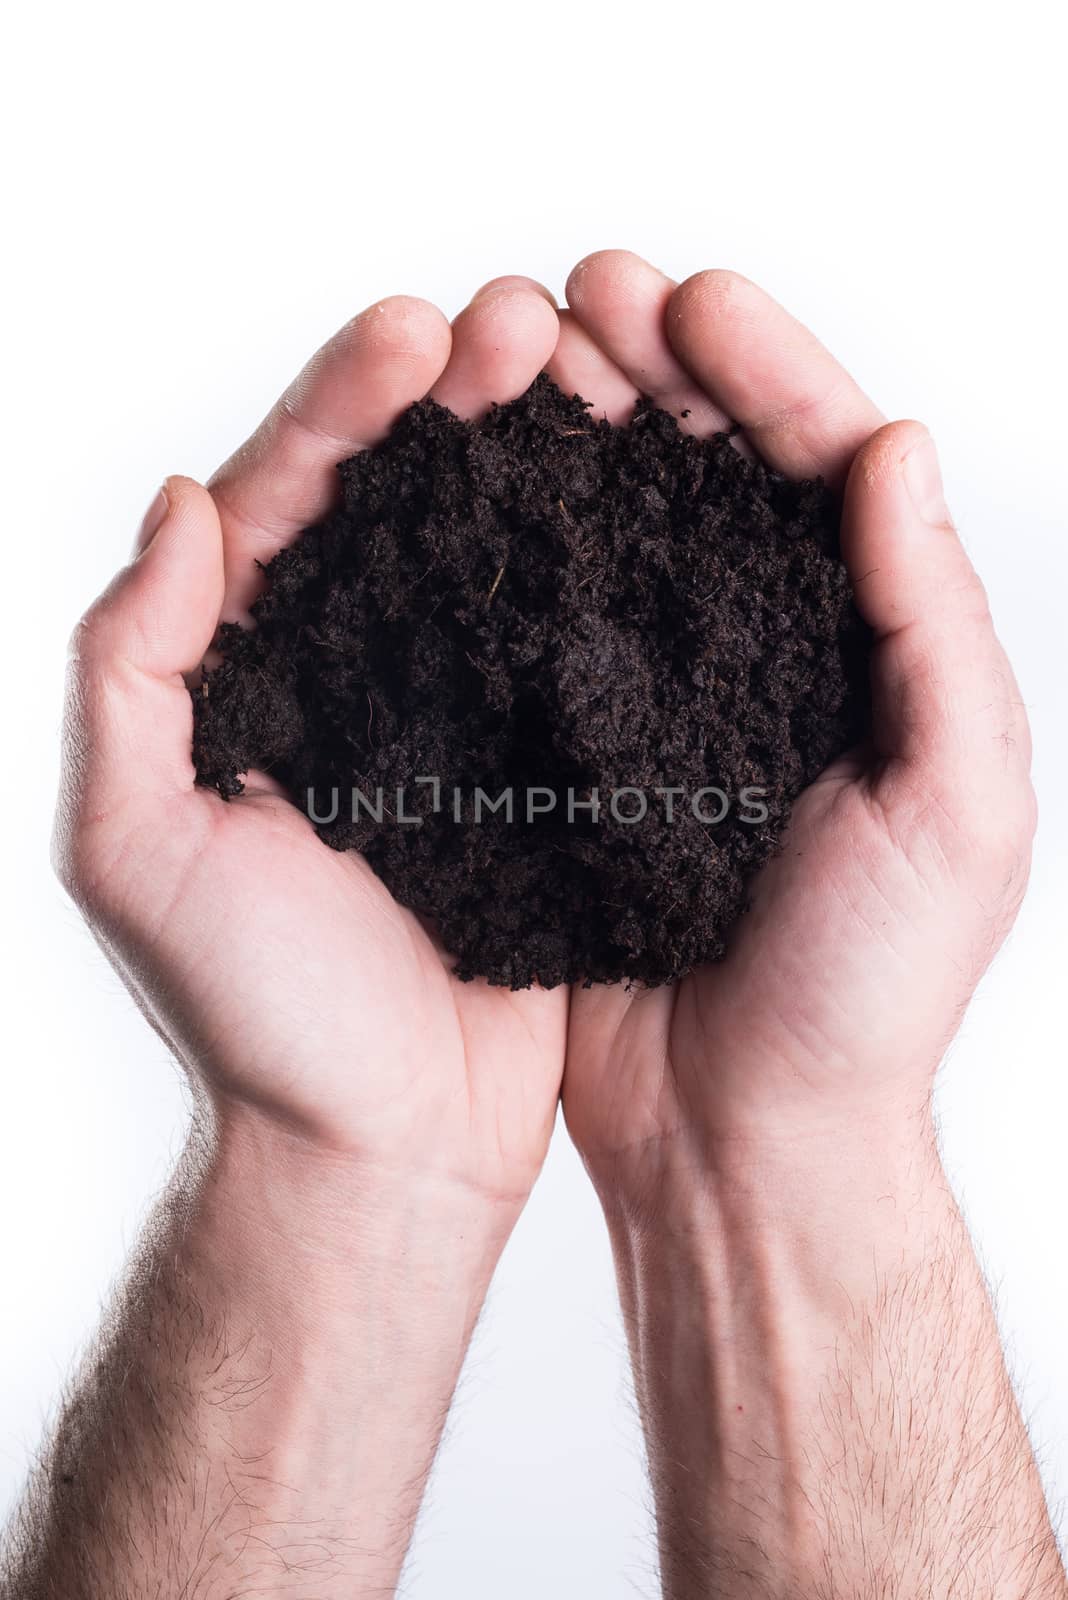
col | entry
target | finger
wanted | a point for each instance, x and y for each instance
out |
(945, 698)
(802, 412)
(128, 721)
(517, 281)
(348, 396)
(500, 342)
(622, 302)
(579, 366)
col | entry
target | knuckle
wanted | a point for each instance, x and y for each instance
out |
(82, 637)
(1023, 816)
(973, 596)
(82, 864)
(981, 834)
(1001, 834)
(88, 644)
(88, 708)
(69, 854)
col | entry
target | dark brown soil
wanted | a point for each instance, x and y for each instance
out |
(544, 600)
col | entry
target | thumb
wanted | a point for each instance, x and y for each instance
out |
(159, 614)
(945, 701)
(128, 718)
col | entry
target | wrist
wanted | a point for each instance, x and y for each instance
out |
(357, 1288)
(335, 1224)
(756, 1171)
(813, 1222)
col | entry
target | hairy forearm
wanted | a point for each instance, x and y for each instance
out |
(262, 1408)
(821, 1380)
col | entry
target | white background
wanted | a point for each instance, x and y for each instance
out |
(198, 195)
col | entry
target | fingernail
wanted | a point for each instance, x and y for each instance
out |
(151, 522)
(923, 478)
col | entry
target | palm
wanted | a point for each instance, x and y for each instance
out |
(297, 980)
(767, 1023)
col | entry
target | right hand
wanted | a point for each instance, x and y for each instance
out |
(283, 975)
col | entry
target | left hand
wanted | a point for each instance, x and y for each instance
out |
(904, 864)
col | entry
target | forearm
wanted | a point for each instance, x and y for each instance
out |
(262, 1410)
(821, 1380)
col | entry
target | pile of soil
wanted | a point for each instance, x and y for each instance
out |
(548, 603)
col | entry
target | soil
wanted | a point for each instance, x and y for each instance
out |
(544, 601)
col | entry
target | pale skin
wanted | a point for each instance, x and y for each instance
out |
(818, 1370)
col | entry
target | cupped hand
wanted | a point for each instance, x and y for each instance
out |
(282, 974)
(286, 978)
(903, 866)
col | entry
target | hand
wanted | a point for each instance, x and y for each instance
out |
(903, 867)
(272, 1385)
(283, 975)
(816, 1362)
